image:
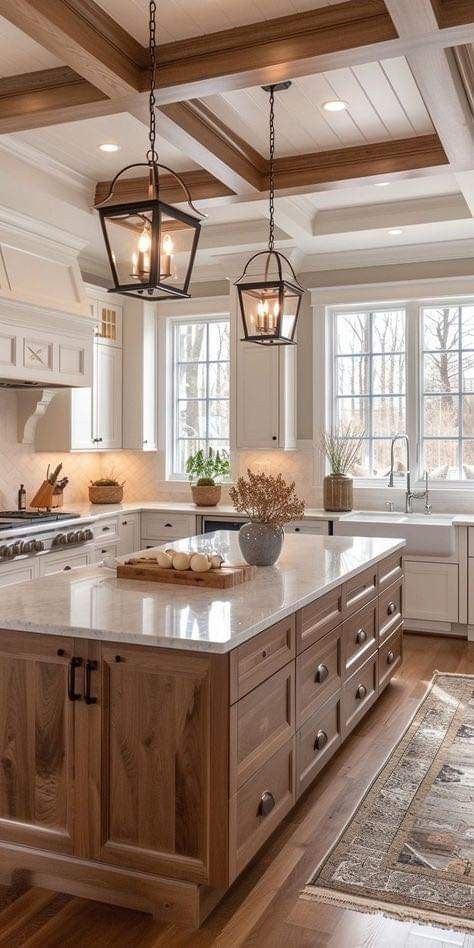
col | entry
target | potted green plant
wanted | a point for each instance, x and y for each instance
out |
(269, 502)
(205, 470)
(106, 490)
(342, 449)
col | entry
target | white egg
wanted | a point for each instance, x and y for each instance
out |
(181, 560)
(200, 563)
(164, 560)
(216, 560)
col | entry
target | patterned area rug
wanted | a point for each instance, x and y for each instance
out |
(408, 851)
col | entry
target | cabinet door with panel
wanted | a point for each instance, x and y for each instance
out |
(107, 407)
(164, 768)
(129, 534)
(431, 591)
(37, 720)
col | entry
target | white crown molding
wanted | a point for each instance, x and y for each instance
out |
(379, 256)
(38, 159)
(22, 225)
(426, 289)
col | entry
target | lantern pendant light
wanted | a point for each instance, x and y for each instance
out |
(269, 307)
(151, 245)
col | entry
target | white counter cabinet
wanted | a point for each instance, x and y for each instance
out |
(431, 591)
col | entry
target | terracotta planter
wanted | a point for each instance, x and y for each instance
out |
(206, 496)
(106, 495)
(338, 494)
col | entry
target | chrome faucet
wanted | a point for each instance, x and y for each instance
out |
(410, 495)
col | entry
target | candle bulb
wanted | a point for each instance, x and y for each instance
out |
(166, 258)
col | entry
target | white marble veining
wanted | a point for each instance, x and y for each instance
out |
(91, 602)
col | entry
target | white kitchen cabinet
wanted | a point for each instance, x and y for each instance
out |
(107, 397)
(140, 353)
(19, 572)
(107, 314)
(266, 397)
(431, 591)
(129, 534)
(318, 528)
(65, 560)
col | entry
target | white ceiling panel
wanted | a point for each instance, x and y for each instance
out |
(19, 53)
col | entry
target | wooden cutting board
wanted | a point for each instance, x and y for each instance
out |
(223, 578)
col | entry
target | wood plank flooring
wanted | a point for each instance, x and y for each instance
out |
(263, 908)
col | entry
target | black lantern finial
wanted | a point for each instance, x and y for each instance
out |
(151, 245)
(269, 307)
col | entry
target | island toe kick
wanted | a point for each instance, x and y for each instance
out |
(149, 777)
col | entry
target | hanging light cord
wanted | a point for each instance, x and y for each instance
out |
(271, 171)
(152, 154)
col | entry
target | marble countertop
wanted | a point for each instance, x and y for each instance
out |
(90, 602)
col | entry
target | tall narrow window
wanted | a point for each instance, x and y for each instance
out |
(201, 375)
(447, 415)
(369, 383)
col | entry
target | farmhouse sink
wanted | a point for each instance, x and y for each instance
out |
(433, 534)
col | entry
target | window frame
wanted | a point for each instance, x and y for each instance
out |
(171, 401)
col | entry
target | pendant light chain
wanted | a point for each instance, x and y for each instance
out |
(152, 154)
(271, 171)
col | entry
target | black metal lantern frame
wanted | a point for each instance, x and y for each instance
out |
(270, 307)
(147, 270)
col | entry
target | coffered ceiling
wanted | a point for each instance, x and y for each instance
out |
(73, 75)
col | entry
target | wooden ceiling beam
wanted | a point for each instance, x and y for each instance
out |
(84, 37)
(202, 185)
(47, 97)
(453, 12)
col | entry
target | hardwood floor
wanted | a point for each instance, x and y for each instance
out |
(263, 908)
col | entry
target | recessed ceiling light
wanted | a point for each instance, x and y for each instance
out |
(110, 146)
(381, 184)
(395, 231)
(335, 105)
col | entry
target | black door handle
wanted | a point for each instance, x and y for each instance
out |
(90, 667)
(72, 694)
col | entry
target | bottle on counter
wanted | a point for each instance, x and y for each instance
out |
(22, 498)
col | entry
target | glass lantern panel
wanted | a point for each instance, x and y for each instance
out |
(130, 242)
(176, 257)
(291, 302)
(261, 307)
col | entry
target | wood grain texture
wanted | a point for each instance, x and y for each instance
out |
(260, 657)
(224, 578)
(201, 184)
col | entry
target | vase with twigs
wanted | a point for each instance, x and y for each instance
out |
(342, 450)
(268, 502)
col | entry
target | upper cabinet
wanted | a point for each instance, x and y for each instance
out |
(140, 376)
(265, 397)
(108, 318)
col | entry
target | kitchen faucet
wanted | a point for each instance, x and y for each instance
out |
(410, 495)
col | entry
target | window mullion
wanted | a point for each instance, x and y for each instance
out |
(413, 372)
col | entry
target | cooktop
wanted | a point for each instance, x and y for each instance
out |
(11, 518)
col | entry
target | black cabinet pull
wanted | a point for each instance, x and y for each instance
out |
(267, 802)
(361, 692)
(118, 658)
(320, 741)
(66, 568)
(274, 438)
(124, 523)
(390, 657)
(297, 529)
(60, 651)
(105, 529)
(361, 636)
(391, 608)
(72, 694)
(321, 674)
(168, 524)
(90, 667)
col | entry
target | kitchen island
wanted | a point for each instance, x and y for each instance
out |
(154, 736)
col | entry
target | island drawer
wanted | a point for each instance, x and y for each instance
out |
(259, 806)
(390, 657)
(315, 620)
(260, 657)
(316, 741)
(359, 693)
(390, 570)
(160, 526)
(318, 674)
(359, 637)
(260, 724)
(359, 590)
(390, 610)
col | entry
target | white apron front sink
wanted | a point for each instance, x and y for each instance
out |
(431, 534)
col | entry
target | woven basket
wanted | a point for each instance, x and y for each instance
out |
(338, 493)
(206, 496)
(106, 495)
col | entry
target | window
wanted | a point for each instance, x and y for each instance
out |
(369, 383)
(447, 414)
(200, 387)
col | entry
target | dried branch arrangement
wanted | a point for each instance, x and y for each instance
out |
(342, 448)
(266, 499)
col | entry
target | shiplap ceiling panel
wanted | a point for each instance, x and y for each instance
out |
(19, 53)
(76, 145)
(180, 19)
(382, 98)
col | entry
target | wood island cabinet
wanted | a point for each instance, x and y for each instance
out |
(149, 777)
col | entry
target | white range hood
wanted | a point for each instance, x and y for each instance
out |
(46, 329)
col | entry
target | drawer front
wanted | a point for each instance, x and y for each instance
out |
(359, 638)
(390, 570)
(316, 741)
(106, 529)
(313, 527)
(318, 675)
(359, 590)
(390, 657)
(262, 656)
(358, 694)
(259, 806)
(318, 618)
(64, 562)
(390, 610)
(172, 526)
(260, 724)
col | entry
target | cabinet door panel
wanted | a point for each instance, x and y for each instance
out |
(257, 397)
(156, 751)
(36, 741)
(431, 591)
(108, 397)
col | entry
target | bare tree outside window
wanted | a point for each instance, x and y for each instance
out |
(201, 382)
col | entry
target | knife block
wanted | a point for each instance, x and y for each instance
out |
(44, 496)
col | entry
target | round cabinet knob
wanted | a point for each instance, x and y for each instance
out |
(321, 674)
(390, 657)
(361, 636)
(361, 692)
(320, 740)
(267, 802)
(391, 608)
(38, 546)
